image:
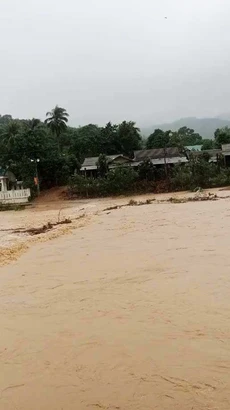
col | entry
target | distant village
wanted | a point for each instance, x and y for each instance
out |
(105, 160)
(159, 157)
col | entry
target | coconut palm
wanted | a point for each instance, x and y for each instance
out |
(57, 121)
(34, 127)
(10, 133)
(33, 124)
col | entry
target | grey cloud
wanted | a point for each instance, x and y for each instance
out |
(115, 59)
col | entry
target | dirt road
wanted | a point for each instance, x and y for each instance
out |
(130, 311)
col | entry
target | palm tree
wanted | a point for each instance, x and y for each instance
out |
(33, 124)
(10, 133)
(34, 127)
(57, 122)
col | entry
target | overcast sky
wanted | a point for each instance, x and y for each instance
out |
(110, 60)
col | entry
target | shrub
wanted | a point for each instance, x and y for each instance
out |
(118, 181)
(132, 202)
(222, 178)
(102, 165)
(199, 173)
(181, 177)
(146, 170)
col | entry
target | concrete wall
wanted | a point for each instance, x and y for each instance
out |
(20, 196)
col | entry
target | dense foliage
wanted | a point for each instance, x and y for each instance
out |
(61, 149)
(115, 182)
(198, 172)
(183, 137)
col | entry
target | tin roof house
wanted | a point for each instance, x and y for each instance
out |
(89, 166)
(226, 154)
(160, 156)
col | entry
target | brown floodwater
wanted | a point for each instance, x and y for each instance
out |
(129, 310)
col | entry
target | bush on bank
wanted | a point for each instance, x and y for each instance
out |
(125, 180)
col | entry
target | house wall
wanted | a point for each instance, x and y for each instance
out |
(20, 196)
(3, 184)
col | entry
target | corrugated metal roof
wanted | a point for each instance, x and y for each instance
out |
(155, 153)
(162, 161)
(158, 156)
(194, 147)
(211, 152)
(90, 163)
(174, 160)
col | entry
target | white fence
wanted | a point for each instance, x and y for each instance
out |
(19, 196)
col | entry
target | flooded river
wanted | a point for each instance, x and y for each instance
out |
(129, 310)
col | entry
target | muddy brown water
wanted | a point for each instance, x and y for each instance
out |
(128, 311)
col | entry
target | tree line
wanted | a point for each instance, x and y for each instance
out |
(61, 149)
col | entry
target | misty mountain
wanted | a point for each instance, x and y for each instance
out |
(224, 116)
(204, 126)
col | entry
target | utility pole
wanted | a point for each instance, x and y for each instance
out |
(36, 180)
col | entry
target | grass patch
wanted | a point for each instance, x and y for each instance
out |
(11, 207)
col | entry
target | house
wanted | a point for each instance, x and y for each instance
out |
(212, 153)
(226, 154)
(160, 156)
(89, 166)
(11, 190)
(172, 155)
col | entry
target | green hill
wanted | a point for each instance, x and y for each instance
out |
(204, 126)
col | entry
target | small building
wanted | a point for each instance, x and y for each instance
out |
(11, 190)
(89, 167)
(212, 153)
(226, 154)
(160, 156)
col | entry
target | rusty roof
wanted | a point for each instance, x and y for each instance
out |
(157, 153)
